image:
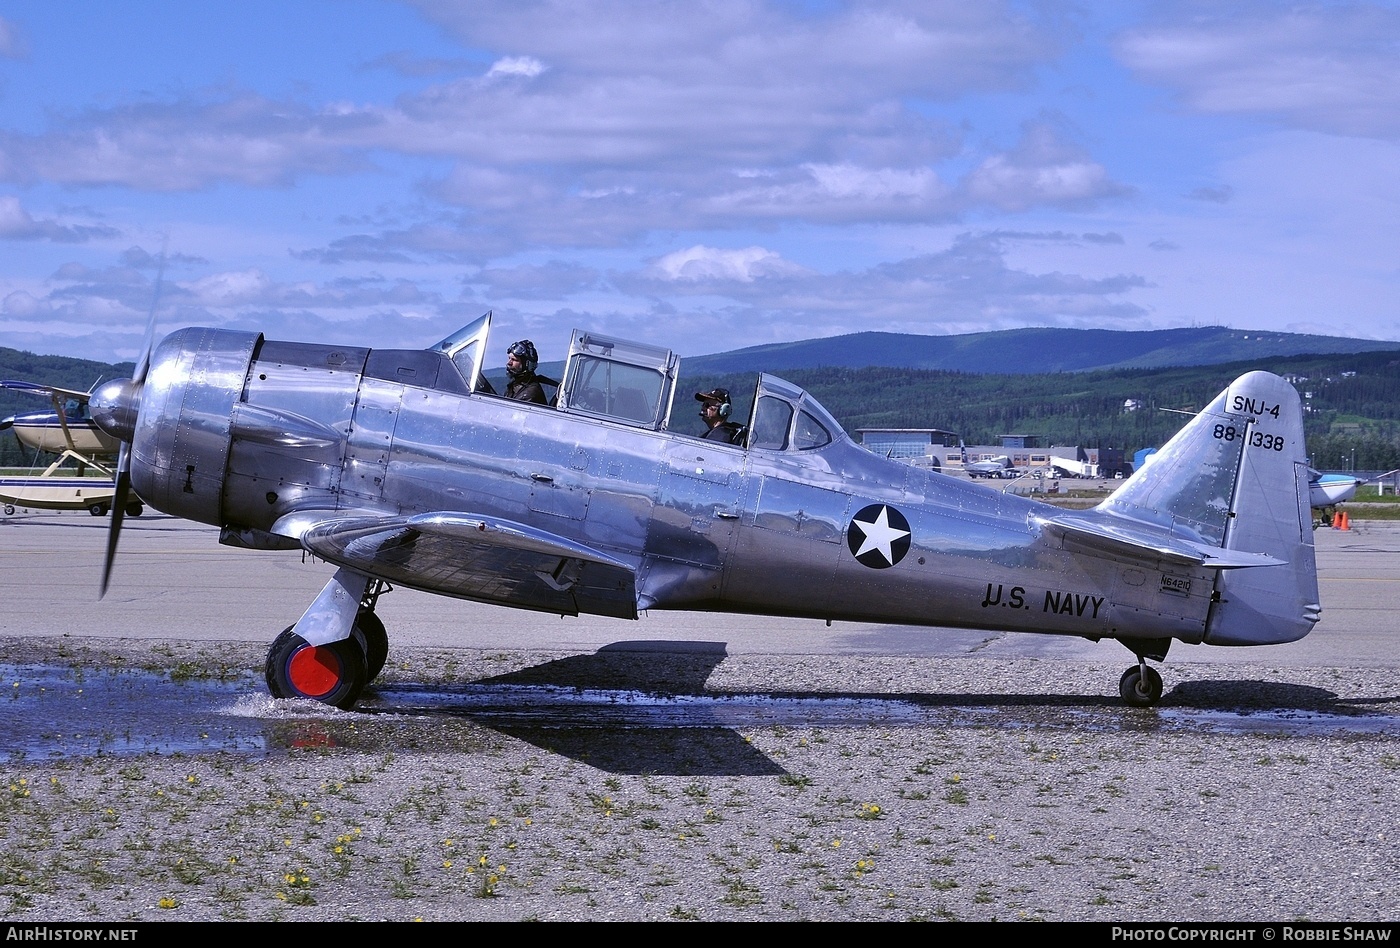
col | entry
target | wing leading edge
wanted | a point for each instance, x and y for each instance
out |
(473, 557)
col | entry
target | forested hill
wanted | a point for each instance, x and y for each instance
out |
(1029, 351)
(1030, 382)
(1352, 402)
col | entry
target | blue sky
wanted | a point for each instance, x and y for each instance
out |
(701, 175)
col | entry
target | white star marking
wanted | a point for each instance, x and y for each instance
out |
(879, 535)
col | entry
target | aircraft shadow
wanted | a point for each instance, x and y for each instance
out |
(641, 707)
(640, 743)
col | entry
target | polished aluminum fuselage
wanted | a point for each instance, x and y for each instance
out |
(240, 432)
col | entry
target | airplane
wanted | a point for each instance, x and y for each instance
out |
(999, 466)
(391, 466)
(68, 427)
(67, 431)
(1328, 490)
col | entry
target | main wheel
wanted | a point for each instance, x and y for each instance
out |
(333, 673)
(1141, 686)
(374, 641)
(135, 509)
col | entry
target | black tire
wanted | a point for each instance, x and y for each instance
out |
(1138, 689)
(333, 674)
(97, 510)
(373, 640)
(9, 510)
(135, 509)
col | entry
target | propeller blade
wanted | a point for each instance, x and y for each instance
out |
(144, 362)
(119, 499)
(122, 493)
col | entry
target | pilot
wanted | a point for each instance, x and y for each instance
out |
(715, 408)
(521, 362)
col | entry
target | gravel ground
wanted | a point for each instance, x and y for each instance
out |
(771, 788)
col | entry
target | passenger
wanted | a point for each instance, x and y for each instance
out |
(715, 408)
(521, 362)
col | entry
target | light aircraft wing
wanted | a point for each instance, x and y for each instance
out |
(487, 559)
(48, 391)
(1122, 540)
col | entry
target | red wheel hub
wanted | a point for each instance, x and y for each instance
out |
(314, 671)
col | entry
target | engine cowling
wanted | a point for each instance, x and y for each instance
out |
(183, 431)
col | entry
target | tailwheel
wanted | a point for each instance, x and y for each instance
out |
(373, 641)
(1141, 686)
(333, 673)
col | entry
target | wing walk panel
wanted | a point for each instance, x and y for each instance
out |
(481, 558)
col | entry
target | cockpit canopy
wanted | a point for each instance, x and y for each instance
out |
(624, 381)
(634, 384)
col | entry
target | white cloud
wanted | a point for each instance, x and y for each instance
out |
(1330, 67)
(526, 66)
(16, 223)
(710, 264)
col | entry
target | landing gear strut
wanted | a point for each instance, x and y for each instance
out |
(339, 663)
(1141, 685)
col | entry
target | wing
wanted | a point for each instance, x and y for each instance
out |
(471, 557)
(48, 391)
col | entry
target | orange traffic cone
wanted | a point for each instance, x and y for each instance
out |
(1342, 520)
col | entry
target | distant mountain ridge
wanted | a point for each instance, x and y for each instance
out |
(1030, 351)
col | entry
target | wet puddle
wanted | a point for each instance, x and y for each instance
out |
(53, 712)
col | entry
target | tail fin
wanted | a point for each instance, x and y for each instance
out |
(1236, 478)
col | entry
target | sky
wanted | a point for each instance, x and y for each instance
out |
(703, 175)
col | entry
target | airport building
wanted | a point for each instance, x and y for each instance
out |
(939, 450)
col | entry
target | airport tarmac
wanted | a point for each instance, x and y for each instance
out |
(517, 766)
(173, 580)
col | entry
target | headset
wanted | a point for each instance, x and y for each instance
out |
(724, 405)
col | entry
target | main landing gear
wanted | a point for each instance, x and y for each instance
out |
(1141, 684)
(318, 658)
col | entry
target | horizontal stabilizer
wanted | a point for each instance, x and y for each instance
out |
(1120, 539)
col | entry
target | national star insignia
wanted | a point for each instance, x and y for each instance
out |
(884, 532)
